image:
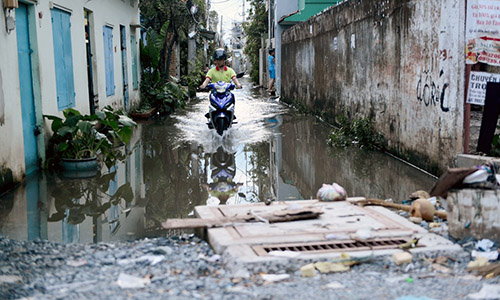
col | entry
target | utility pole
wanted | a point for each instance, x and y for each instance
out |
(244, 11)
(221, 31)
(192, 41)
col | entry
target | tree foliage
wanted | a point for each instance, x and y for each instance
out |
(255, 30)
(176, 14)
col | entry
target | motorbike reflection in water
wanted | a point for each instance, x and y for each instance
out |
(223, 189)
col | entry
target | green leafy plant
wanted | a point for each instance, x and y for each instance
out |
(195, 78)
(78, 136)
(495, 145)
(255, 30)
(166, 95)
(358, 131)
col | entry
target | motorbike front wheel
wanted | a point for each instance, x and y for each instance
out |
(221, 125)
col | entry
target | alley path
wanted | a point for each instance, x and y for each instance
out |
(178, 163)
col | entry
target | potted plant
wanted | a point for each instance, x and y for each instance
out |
(78, 140)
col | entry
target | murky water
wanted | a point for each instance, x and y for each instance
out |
(177, 164)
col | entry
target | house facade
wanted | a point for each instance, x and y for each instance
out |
(81, 54)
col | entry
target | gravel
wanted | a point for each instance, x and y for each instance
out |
(186, 268)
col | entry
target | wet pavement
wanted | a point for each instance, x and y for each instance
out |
(178, 163)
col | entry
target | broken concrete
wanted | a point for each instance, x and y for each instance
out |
(474, 212)
(343, 228)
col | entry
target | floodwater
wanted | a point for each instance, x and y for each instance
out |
(272, 153)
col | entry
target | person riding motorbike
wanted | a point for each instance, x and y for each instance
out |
(220, 72)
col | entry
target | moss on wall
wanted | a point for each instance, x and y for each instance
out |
(6, 179)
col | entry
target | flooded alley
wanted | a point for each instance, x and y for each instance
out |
(272, 153)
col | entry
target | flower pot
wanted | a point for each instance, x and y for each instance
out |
(144, 115)
(79, 168)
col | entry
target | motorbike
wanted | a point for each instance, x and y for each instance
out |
(221, 108)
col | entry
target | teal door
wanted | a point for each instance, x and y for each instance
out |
(24, 52)
(63, 58)
(123, 42)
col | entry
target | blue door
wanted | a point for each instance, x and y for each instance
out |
(24, 52)
(107, 32)
(123, 41)
(63, 58)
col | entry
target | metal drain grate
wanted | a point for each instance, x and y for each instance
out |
(332, 246)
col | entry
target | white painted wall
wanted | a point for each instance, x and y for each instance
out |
(11, 132)
(110, 12)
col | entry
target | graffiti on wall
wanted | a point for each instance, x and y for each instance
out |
(2, 103)
(430, 92)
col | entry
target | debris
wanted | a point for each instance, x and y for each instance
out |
(490, 255)
(442, 260)
(308, 270)
(409, 267)
(480, 175)
(76, 263)
(274, 277)
(401, 258)
(331, 192)
(332, 236)
(214, 258)
(126, 281)
(286, 253)
(419, 194)
(488, 291)
(151, 259)
(416, 220)
(434, 225)
(396, 279)
(10, 279)
(422, 208)
(334, 285)
(413, 298)
(485, 245)
(362, 234)
(411, 244)
(285, 215)
(451, 178)
(485, 248)
(163, 250)
(479, 262)
(379, 202)
(441, 268)
(490, 270)
(328, 267)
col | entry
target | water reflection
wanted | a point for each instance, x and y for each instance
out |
(222, 172)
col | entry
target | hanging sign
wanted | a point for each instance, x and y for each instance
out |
(482, 35)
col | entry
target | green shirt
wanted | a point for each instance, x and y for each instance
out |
(215, 74)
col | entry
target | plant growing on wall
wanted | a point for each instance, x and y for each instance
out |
(255, 30)
(357, 131)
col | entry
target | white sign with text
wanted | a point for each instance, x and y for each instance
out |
(477, 86)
